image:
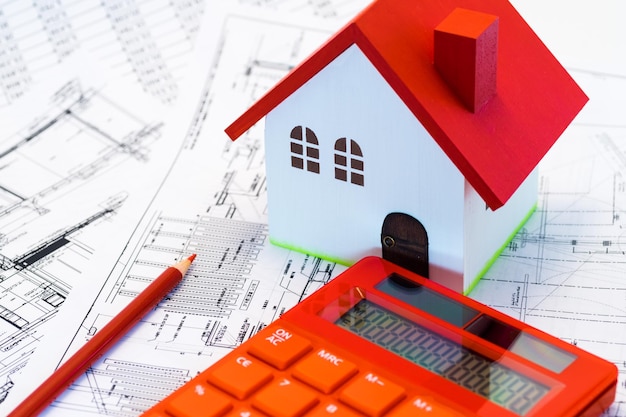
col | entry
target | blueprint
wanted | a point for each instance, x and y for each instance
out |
(78, 120)
(148, 42)
(249, 282)
(562, 273)
(318, 8)
(62, 193)
(226, 226)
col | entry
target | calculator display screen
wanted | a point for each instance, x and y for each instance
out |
(427, 300)
(484, 326)
(479, 374)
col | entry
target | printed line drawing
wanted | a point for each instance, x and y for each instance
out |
(47, 226)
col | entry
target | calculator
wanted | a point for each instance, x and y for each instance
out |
(379, 340)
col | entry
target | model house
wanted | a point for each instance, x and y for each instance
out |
(437, 112)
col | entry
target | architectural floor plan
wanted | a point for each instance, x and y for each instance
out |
(562, 273)
(49, 231)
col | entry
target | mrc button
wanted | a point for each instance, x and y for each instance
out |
(324, 370)
(278, 346)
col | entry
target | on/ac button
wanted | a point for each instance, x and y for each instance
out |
(278, 347)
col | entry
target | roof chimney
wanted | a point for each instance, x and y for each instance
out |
(466, 52)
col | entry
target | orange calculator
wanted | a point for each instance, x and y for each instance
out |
(379, 340)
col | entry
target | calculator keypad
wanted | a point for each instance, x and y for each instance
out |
(280, 373)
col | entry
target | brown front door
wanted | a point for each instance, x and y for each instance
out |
(405, 242)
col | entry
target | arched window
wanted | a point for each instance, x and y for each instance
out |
(305, 149)
(349, 162)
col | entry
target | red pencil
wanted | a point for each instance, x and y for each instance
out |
(102, 341)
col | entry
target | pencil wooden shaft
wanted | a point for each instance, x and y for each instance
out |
(78, 363)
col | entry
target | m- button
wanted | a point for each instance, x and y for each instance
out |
(278, 347)
(372, 395)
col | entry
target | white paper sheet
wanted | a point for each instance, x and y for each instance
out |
(562, 273)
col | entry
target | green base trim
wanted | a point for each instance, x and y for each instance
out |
(307, 252)
(496, 255)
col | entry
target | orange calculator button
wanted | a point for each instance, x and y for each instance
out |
(245, 412)
(279, 347)
(324, 370)
(284, 398)
(198, 396)
(372, 394)
(240, 375)
(422, 406)
(333, 410)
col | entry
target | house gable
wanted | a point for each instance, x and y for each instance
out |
(398, 167)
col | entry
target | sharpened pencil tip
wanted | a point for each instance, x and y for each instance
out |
(192, 257)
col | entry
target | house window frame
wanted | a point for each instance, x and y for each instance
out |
(349, 162)
(305, 151)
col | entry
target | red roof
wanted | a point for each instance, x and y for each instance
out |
(495, 148)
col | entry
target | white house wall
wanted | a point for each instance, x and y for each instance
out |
(404, 170)
(487, 231)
